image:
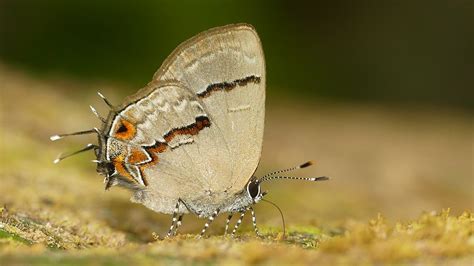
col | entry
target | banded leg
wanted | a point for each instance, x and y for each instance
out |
(227, 223)
(173, 221)
(191, 210)
(242, 214)
(211, 219)
(178, 224)
(254, 222)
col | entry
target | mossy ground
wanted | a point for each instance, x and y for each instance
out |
(398, 163)
(432, 238)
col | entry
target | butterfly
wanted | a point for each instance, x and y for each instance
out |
(190, 141)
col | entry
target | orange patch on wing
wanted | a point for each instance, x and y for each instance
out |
(120, 167)
(124, 130)
(137, 156)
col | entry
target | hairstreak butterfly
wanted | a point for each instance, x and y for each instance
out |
(190, 141)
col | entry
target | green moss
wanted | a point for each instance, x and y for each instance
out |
(7, 236)
(435, 235)
(432, 237)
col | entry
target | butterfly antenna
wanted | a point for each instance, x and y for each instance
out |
(97, 113)
(84, 132)
(320, 178)
(281, 214)
(304, 165)
(105, 100)
(61, 157)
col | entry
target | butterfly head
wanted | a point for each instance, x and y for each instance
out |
(254, 190)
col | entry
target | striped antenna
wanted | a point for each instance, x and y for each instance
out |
(85, 132)
(61, 157)
(105, 100)
(304, 165)
(321, 178)
(97, 113)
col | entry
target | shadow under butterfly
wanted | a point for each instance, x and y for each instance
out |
(191, 140)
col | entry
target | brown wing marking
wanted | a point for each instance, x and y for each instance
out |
(228, 86)
(192, 129)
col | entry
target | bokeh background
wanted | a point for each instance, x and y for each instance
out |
(380, 51)
(378, 93)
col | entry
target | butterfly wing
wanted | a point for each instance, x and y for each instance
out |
(225, 68)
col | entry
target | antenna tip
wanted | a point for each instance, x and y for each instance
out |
(56, 161)
(306, 164)
(55, 137)
(321, 178)
(100, 95)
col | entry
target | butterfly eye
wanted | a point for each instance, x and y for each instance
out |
(253, 189)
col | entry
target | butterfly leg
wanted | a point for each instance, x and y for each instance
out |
(178, 224)
(190, 209)
(174, 220)
(254, 222)
(211, 219)
(227, 223)
(242, 214)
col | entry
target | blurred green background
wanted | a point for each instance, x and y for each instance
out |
(378, 51)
